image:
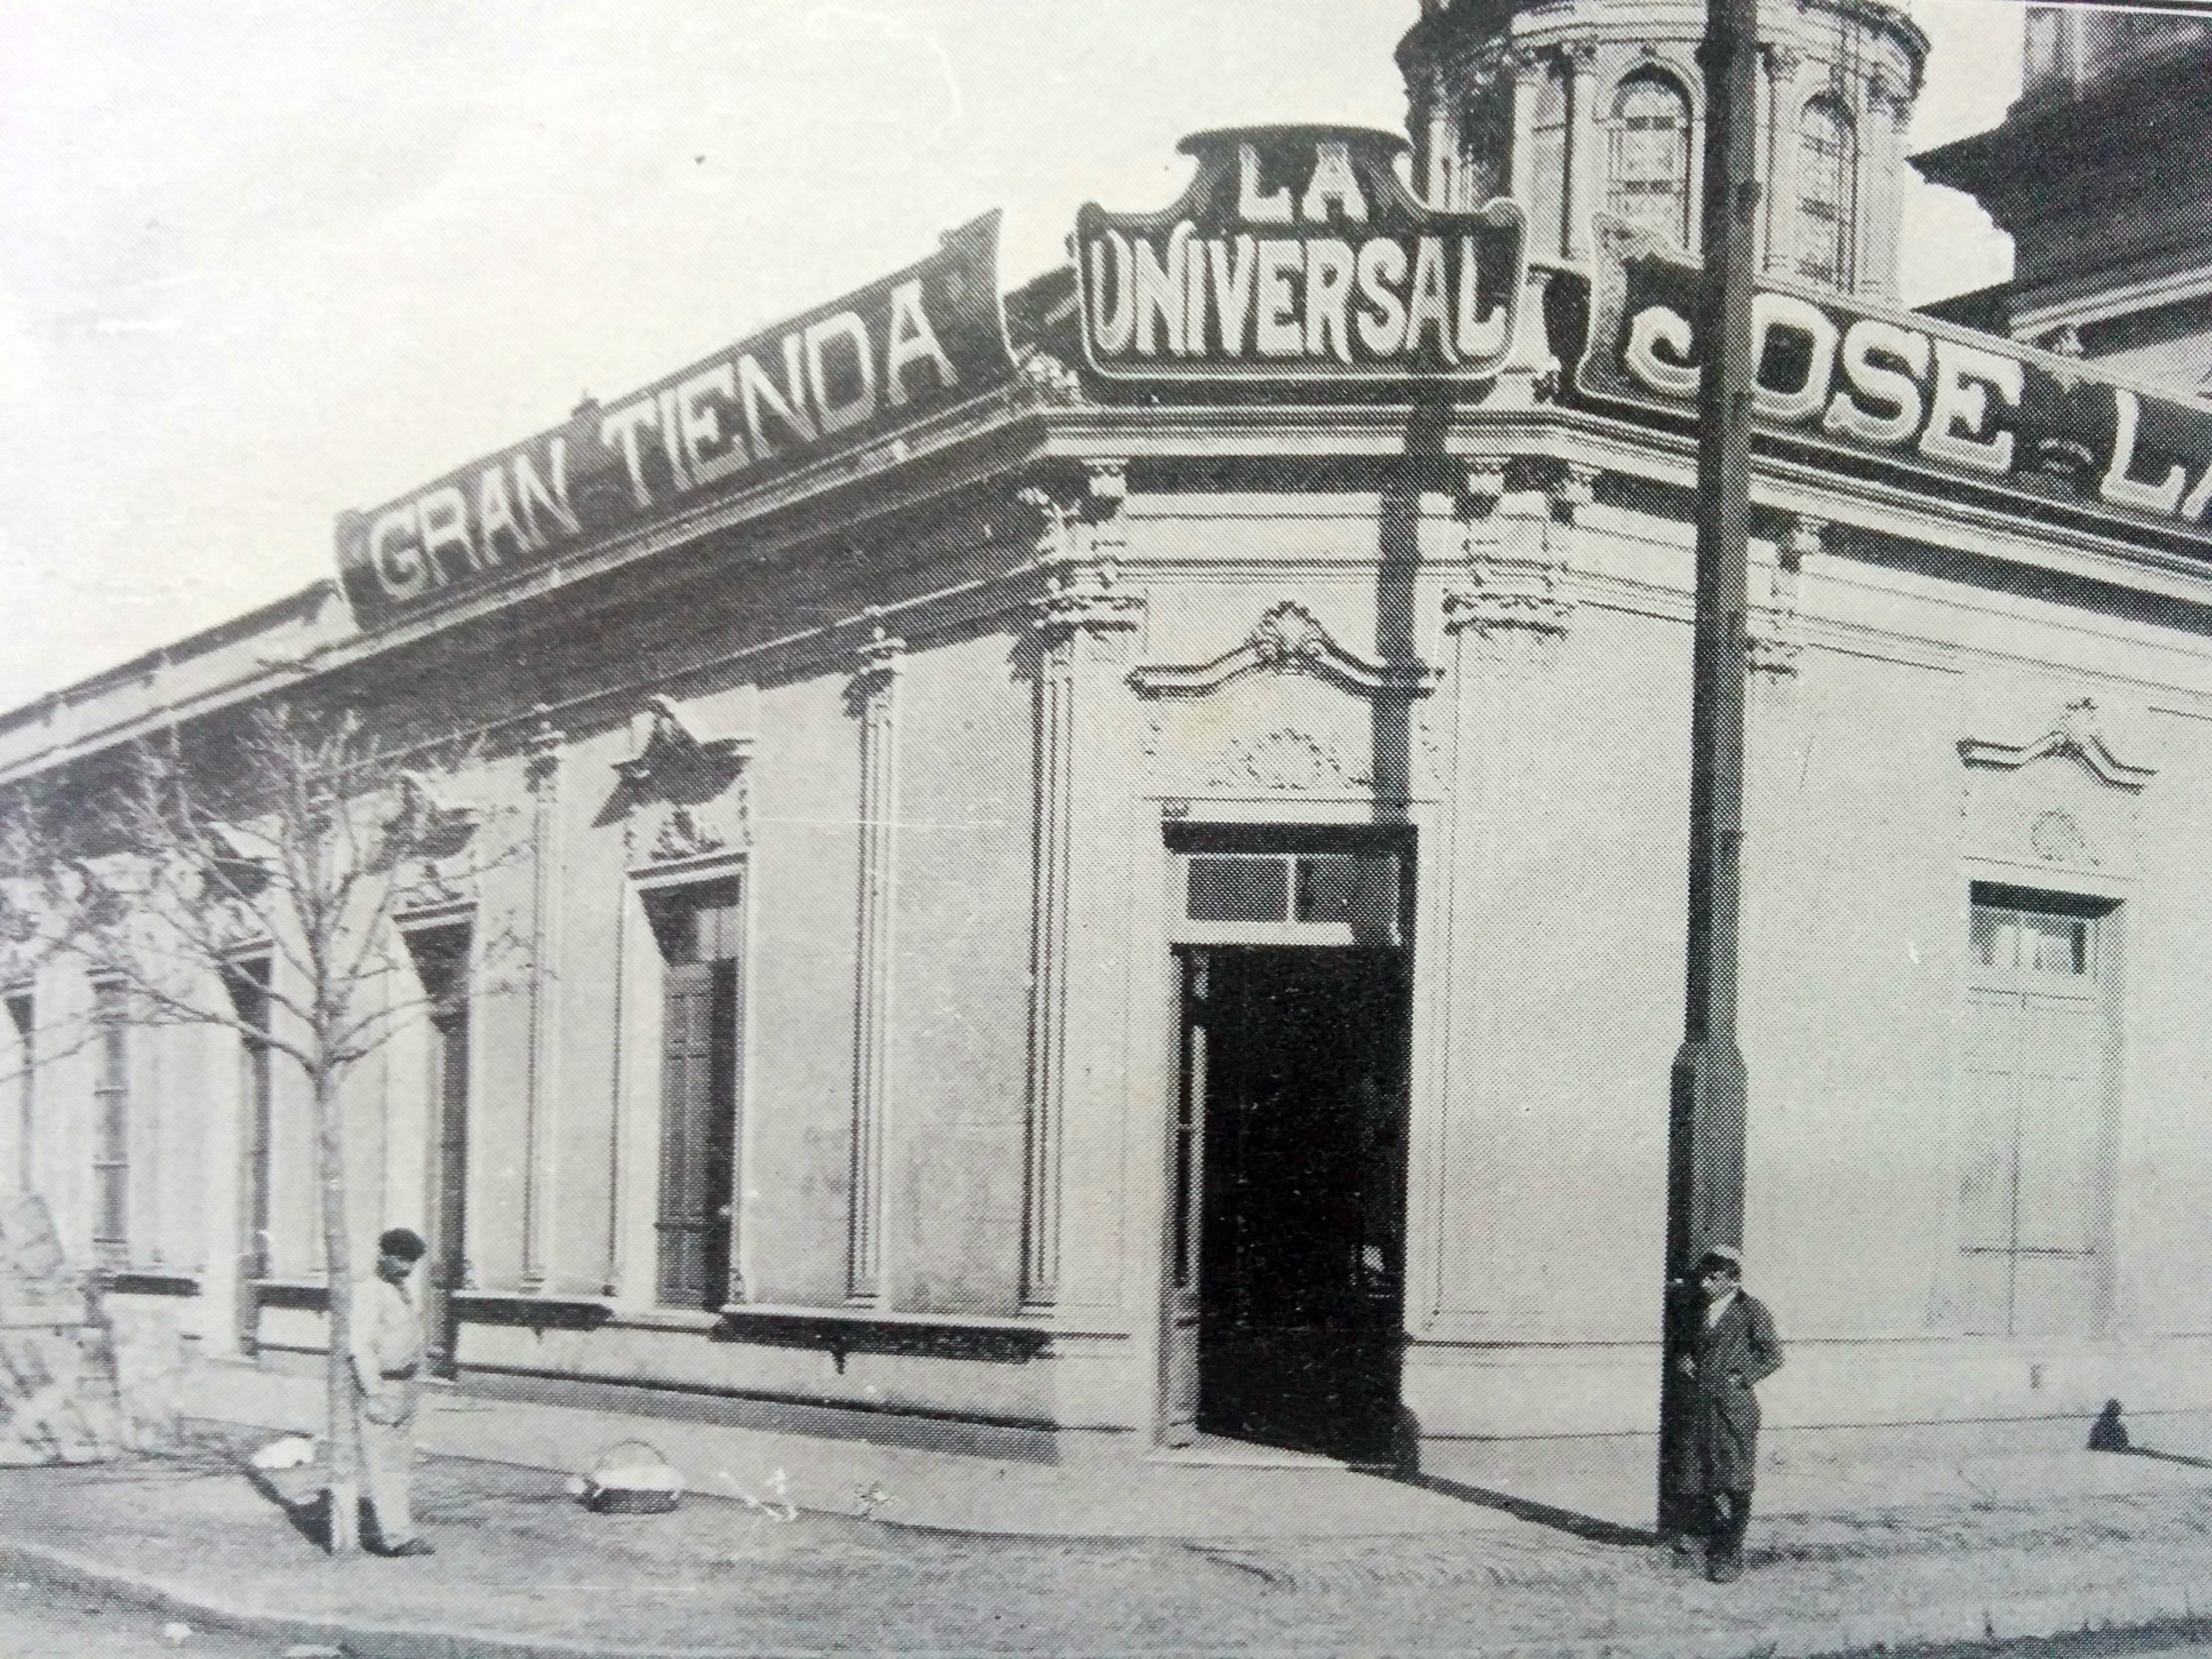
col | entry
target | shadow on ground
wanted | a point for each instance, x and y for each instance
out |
(1589, 1528)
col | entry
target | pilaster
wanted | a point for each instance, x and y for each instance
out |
(1085, 623)
(1443, 141)
(1522, 66)
(1584, 169)
(1881, 164)
(542, 771)
(875, 699)
(1504, 619)
(1782, 68)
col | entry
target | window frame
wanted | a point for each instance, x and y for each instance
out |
(1622, 192)
(1838, 219)
(2096, 987)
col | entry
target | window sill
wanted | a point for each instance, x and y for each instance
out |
(539, 1313)
(149, 1281)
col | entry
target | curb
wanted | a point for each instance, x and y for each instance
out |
(1994, 1629)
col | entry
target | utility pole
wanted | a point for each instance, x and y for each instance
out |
(1706, 1113)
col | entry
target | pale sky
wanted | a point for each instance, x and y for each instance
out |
(266, 259)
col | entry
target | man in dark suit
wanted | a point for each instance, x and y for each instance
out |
(1735, 1349)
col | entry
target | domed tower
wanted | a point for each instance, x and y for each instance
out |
(1576, 106)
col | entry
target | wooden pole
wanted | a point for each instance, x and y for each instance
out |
(1706, 1118)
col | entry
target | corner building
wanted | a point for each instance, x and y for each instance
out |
(1132, 914)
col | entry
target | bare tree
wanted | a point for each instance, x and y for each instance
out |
(293, 833)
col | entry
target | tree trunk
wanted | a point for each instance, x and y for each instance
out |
(342, 1439)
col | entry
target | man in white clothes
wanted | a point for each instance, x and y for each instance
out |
(387, 1353)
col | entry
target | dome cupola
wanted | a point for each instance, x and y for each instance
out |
(1580, 106)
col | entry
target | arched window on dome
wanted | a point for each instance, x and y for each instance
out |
(1648, 181)
(1827, 168)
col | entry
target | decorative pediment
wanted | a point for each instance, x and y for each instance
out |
(2080, 733)
(683, 790)
(425, 840)
(428, 824)
(679, 760)
(1287, 640)
(240, 862)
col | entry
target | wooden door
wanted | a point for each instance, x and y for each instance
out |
(2034, 1157)
(1180, 1316)
(449, 1187)
(698, 1122)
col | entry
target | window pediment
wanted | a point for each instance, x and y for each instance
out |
(2080, 733)
(679, 759)
(1288, 639)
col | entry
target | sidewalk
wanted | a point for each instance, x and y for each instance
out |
(1899, 1537)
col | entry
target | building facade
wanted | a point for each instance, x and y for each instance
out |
(1125, 910)
(2107, 220)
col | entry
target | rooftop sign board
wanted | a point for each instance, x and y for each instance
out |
(1902, 388)
(851, 372)
(1297, 255)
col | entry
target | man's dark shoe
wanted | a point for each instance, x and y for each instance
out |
(1681, 1545)
(1724, 1569)
(412, 1547)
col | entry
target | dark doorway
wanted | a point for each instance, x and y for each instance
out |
(1302, 1216)
(441, 958)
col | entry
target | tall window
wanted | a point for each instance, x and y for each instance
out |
(110, 1111)
(1485, 144)
(700, 932)
(249, 994)
(1649, 179)
(20, 1017)
(442, 959)
(1826, 157)
(2035, 1144)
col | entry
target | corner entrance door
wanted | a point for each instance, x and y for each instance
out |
(441, 958)
(1301, 1208)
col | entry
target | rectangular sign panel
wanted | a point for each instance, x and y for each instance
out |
(1904, 388)
(1297, 255)
(850, 373)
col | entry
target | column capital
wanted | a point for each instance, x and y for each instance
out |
(882, 652)
(1577, 487)
(1074, 521)
(1804, 540)
(1087, 598)
(1522, 62)
(1885, 96)
(1775, 632)
(542, 748)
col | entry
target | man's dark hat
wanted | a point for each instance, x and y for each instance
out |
(404, 1243)
(1727, 1255)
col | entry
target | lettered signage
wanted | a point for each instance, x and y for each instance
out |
(851, 372)
(1296, 255)
(1902, 388)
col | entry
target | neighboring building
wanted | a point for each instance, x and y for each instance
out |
(1125, 883)
(2097, 174)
